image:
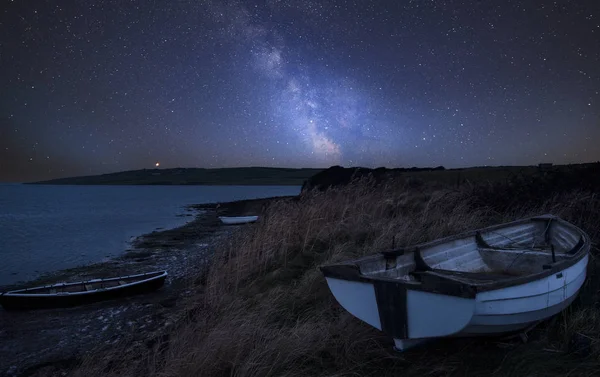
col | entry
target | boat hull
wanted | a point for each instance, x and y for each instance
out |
(430, 303)
(515, 308)
(502, 325)
(430, 316)
(238, 220)
(51, 301)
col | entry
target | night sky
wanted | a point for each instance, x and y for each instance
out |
(91, 87)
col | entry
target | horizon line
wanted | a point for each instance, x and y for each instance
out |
(302, 168)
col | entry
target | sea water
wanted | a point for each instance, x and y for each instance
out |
(45, 228)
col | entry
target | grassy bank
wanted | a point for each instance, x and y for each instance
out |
(263, 308)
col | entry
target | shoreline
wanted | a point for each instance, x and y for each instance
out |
(71, 332)
(180, 220)
(158, 237)
(263, 307)
(243, 184)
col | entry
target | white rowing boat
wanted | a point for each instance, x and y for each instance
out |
(494, 280)
(234, 220)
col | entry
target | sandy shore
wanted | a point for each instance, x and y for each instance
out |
(40, 342)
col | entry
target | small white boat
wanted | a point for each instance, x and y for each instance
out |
(234, 220)
(494, 280)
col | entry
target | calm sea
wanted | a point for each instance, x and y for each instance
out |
(48, 228)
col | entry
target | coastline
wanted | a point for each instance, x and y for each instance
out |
(263, 307)
(69, 333)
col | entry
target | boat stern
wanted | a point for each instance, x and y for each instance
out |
(356, 296)
(404, 310)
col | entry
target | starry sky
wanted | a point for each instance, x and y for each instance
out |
(91, 87)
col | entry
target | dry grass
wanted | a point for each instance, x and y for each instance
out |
(265, 309)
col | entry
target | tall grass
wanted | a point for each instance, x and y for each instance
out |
(265, 309)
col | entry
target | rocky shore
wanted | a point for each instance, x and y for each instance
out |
(46, 341)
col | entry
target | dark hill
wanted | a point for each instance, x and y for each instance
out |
(338, 175)
(194, 176)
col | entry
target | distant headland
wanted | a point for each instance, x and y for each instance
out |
(306, 177)
(194, 176)
(230, 176)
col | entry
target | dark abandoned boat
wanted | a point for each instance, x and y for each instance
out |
(63, 295)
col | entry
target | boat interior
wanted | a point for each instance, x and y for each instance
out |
(91, 285)
(524, 248)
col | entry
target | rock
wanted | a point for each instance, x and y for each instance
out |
(169, 302)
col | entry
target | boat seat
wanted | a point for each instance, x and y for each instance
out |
(492, 275)
(88, 287)
(483, 244)
(465, 275)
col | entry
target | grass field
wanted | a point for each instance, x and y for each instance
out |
(264, 309)
(499, 174)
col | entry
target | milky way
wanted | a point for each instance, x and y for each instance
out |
(96, 87)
